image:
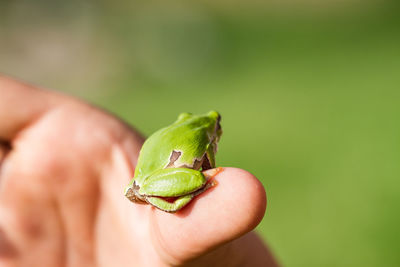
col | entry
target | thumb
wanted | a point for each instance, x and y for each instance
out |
(221, 214)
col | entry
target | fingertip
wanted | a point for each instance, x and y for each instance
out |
(244, 193)
(235, 206)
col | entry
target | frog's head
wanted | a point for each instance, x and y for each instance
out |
(211, 119)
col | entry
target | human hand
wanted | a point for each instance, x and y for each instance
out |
(63, 167)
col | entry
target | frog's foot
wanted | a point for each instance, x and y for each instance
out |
(131, 192)
(170, 204)
(210, 175)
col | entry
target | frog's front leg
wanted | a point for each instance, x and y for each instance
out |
(172, 188)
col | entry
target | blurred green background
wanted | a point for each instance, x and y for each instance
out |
(308, 91)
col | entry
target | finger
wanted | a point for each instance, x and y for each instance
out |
(20, 104)
(229, 210)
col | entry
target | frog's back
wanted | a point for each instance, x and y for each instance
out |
(188, 138)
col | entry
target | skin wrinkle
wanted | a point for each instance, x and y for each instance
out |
(50, 99)
(69, 198)
(159, 243)
(35, 119)
(5, 148)
(7, 249)
(61, 223)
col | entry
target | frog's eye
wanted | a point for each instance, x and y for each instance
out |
(184, 116)
(214, 114)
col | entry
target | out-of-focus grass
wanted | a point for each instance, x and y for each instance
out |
(309, 104)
